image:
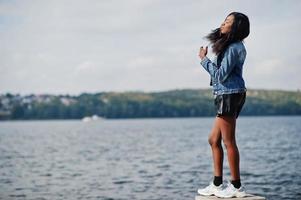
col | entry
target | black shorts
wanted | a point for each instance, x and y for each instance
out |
(229, 104)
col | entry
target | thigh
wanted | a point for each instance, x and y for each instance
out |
(216, 131)
(227, 127)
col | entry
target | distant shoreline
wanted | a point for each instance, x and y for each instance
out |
(131, 105)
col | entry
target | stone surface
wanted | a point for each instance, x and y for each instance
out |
(249, 197)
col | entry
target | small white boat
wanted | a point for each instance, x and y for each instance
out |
(86, 119)
(92, 118)
(95, 117)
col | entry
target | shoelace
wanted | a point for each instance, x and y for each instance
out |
(228, 188)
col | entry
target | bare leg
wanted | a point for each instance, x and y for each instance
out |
(227, 126)
(215, 139)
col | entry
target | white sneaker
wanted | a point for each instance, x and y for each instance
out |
(230, 191)
(211, 189)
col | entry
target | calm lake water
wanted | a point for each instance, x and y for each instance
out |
(162, 159)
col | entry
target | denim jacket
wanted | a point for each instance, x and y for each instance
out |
(226, 76)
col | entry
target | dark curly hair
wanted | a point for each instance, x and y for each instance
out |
(239, 31)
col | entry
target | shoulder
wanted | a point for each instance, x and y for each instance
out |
(237, 48)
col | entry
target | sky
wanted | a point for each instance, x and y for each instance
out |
(76, 46)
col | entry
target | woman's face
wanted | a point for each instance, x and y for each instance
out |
(227, 24)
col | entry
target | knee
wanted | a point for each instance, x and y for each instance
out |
(214, 142)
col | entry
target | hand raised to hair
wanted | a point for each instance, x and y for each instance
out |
(203, 52)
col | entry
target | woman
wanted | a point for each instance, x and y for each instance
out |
(229, 96)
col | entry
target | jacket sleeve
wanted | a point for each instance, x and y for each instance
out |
(227, 64)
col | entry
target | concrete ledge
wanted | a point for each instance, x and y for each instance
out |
(249, 197)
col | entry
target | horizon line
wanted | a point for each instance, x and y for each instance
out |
(138, 91)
